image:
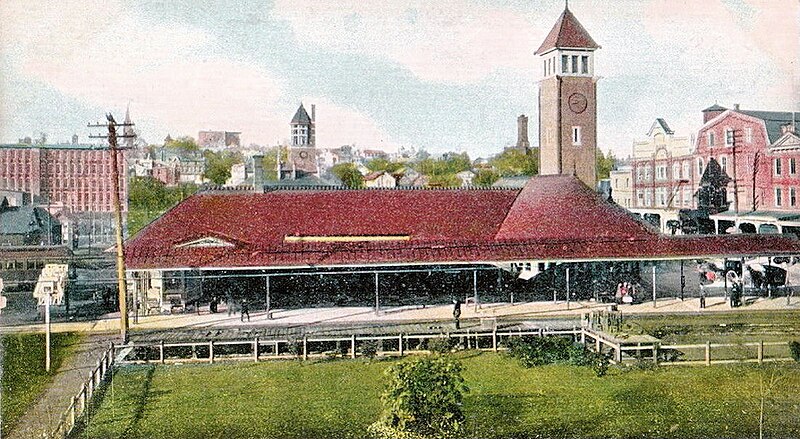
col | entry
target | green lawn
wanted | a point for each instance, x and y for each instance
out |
(341, 398)
(24, 375)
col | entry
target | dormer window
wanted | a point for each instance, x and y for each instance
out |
(564, 63)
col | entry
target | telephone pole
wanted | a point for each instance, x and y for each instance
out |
(112, 137)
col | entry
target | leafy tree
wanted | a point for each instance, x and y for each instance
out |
(218, 165)
(605, 163)
(146, 193)
(184, 143)
(270, 162)
(444, 180)
(422, 399)
(485, 177)
(381, 164)
(512, 162)
(349, 175)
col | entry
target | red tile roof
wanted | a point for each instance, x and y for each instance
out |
(552, 218)
(567, 33)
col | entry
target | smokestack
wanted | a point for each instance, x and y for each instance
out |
(736, 107)
(313, 112)
(522, 133)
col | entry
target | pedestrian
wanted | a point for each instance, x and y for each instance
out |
(245, 310)
(702, 296)
(618, 294)
(457, 312)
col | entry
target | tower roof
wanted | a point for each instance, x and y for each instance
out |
(301, 117)
(567, 33)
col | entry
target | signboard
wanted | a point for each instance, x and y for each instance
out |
(51, 281)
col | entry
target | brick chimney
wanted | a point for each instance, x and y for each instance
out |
(522, 133)
(712, 112)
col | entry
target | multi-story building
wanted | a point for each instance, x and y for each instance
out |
(218, 140)
(621, 182)
(74, 181)
(760, 152)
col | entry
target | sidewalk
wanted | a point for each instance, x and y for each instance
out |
(41, 419)
(409, 314)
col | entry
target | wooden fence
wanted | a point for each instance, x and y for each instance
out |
(82, 401)
(317, 347)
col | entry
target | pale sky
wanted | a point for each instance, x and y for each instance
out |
(445, 75)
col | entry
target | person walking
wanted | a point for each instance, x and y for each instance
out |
(457, 312)
(245, 310)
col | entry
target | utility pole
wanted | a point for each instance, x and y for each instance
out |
(756, 158)
(731, 140)
(121, 282)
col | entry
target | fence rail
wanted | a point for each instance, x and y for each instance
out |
(80, 404)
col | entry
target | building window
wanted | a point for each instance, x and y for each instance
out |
(687, 196)
(686, 168)
(778, 169)
(710, 138)
(627, 182)
(748, 135)
(648, 198)
(792, 166)
(729, 137)
(639, 174)
(778, 197)
(564, 63)
(700, 167)
(584, 64)
(574, 63)
(661, 172)
(576, 135)
(792, 197)
(661, 196)
(647, 173)
(546, 72)
(676, 171)
(723, 162)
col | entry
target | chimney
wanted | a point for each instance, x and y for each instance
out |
(313, 112)
(74, 139)
(522, 133)
(736, 107)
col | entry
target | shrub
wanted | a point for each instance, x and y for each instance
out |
(440, 345)
(423, 399)
(538, 351)
(794, 349)
(369, 348)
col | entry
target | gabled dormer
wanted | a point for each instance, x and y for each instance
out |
(568, 50)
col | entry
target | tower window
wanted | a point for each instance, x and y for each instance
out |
(584, 64)
(574, 63)
(576, 135)
(564, 63)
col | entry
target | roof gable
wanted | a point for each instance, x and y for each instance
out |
(567, 33)
(554, 206)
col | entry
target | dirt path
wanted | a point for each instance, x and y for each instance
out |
(43, 417)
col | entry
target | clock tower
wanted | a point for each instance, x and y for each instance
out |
(568, 101)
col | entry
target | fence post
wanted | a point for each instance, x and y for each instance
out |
(760, 351)
(619, 353)
(161, 352)
(305, 347)
(597, 346)
(276, 347)
(708, 353)
(211, 351)
(494, 340)
(72, 414)
(255, 350)
(583, 336)
(468, 341)
(574, 333)
(655, 353)
(352, 346)
(400, 341)
(85, 398)
(91, 385)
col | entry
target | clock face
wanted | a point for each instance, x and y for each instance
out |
(303, 154)
(577, 103)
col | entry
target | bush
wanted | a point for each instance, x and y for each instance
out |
(538, 351)
(369, 348)
(794, 349)
(440, 345)
(422, 399)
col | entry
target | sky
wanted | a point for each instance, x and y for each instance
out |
(445, 75)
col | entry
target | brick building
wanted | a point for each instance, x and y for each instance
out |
(74, 181)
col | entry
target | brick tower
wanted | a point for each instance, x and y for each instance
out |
(568, 101)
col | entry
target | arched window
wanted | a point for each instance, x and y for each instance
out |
(700, 167)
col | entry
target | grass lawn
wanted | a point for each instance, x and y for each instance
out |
(24, 375)
(341, 398)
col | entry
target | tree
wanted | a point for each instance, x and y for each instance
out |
(513, 162)
(486, 177)
(605, 163)
(349, 175)
(146, 193)
(423, 399)
(184, 143)
(218, 165)
(381, 164)
(270, 162)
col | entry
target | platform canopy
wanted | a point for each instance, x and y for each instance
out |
(553, 218)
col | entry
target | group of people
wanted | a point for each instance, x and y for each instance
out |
(231, 304)
(626, 293)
